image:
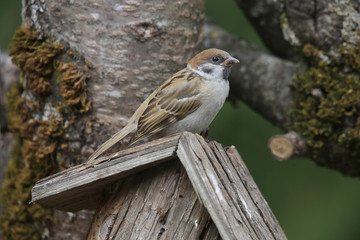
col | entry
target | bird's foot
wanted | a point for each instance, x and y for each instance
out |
(205, 134)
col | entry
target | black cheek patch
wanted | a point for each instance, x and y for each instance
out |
(207, 70)
(226, 72)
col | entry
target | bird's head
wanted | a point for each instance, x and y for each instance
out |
(213, 63)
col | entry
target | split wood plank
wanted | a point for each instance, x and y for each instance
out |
(80, 187)
(157, 203)
(227, 190)
(217, 174)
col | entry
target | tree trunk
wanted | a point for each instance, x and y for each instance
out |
(85, 68)
(8, 74)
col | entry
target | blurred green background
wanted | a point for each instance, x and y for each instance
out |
(310, 202)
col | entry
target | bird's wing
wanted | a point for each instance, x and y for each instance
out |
(171, 102)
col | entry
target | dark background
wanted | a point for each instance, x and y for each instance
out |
(310, 202)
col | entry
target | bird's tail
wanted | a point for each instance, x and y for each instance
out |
(111, 141)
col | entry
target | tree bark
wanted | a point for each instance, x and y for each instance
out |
(324, 44)
(131, 47)
(9, 73)
(266, 18)
(112, 55)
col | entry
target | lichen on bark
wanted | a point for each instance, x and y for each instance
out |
(326, 108)
(39, 116)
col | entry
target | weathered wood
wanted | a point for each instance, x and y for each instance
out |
(80, 187)
(257, 199)
(160, 202)
(228, 193)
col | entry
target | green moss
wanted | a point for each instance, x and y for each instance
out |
(29, 163)
(351, 53)
(35, 152)
(73, 86)
(34, 56)
(326, 111)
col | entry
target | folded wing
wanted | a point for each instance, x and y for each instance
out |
(173, 101)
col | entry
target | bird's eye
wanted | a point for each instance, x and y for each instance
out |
(215, 59)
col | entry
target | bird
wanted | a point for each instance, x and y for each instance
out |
(187, 101)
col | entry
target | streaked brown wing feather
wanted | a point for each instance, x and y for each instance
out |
(173, 101)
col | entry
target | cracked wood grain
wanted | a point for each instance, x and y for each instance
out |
(211, 194)
(154, 204)
(80, 187)
(227, 190)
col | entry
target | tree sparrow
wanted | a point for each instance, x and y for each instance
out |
(188, 101)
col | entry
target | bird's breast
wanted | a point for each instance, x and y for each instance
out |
(213, 96)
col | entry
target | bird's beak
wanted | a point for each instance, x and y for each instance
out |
(230, 61)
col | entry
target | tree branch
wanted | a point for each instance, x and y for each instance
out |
(325, 95)
(286, 146)
(266, 18)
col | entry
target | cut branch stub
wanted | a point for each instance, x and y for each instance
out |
(289, 145)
